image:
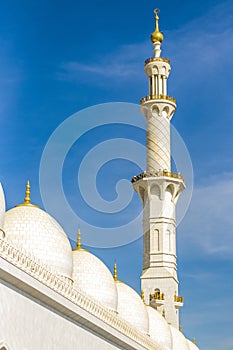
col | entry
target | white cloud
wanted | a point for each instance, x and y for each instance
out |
(209, 221)
(120, 64)
(202, 47)
(197, 47)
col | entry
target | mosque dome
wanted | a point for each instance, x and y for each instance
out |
(178, 340)
(92, 277)
(159, 329)
(191, 345)
(36, 233)
(2, 206)
(130, 307)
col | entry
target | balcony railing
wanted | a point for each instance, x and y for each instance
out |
(157, 174)
(178, 299)
(154, 59)
(157, 296)
(157, 97)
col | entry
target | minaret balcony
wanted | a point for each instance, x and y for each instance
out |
(178, 301)
(166, 173)
(158, 97)
(157, 299)
(156, 59)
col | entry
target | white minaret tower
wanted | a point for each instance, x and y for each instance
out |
(159, 190)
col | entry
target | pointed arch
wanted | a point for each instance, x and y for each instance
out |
(142, 193)
(170, 190)
(155, 190)
(155, 243)
(4, 346)
(169, 240)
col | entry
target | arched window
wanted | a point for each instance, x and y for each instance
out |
(155, 191)
(3, 346)
(169, 240)
(155, 240)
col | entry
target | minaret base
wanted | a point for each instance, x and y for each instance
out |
(159, 192)
(160, 288)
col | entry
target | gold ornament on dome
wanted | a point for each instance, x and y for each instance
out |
(79, 244)
(156, 36)
(27, 199)
(115, 276)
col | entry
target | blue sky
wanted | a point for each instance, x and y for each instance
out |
(58, 57)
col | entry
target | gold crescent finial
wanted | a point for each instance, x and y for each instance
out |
(156, 12)
(163, 313)
(115, 276)
(157, 36)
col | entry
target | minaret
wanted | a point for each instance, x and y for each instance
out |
(159, 189)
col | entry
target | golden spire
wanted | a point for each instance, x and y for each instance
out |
(79, 244)
(194, 341)
(163, 313)
(115, 277)
(181, 328)
(27, 199)
(156, 36)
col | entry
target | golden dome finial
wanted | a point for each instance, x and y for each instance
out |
(181, 328)
(163, 313)
(79, 244)
(156, 36)
(27, 199)
(194, 341)
(115, 276)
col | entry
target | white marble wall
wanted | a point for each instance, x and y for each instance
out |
(28, 325)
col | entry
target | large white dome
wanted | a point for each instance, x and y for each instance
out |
(92, 277)
(159, 329)
(178, 340)
(131, 308)
(191, 345)
(2, 206)
(37, 233)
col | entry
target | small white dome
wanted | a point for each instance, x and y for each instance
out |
(35, 232)
(159, 329)
(2, 206)
(191, 345)
(178, 340)
(93, 278)
(131, 307)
